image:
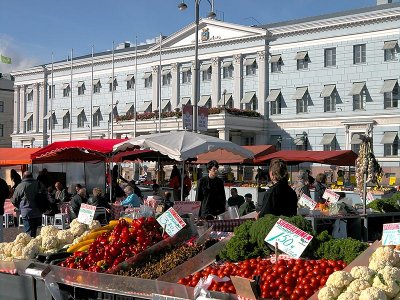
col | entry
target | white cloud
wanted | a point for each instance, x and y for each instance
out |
(19, 60)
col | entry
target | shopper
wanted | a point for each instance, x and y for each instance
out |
(301, 185)
(4, 192)
(211, 193)
(235, 199)
(61, 195)
(248, 206)
(132, 200)
(136, 190)
(280, 199)
(15, 178)
(24, 199)
(76, 202)
(320, 187)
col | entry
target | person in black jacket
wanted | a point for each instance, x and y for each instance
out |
(211, 193)
(280, 199)
(320, 187)
(4, 192)
(15, 178)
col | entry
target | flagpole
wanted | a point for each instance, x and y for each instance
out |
(159, 94)
(70, 90)
(91, 98)
(51, 99)
(112, 94)
(134, 111)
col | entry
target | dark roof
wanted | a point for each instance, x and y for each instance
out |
(331, 15)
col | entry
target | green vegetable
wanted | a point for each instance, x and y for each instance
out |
(345, 249)
(386, 204)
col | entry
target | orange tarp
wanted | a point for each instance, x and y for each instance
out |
(16, 156)
(227, 158)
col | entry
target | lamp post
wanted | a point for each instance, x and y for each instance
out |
(196, 78)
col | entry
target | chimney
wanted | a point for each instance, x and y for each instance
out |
(380, 2)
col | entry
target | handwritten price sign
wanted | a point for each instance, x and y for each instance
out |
(290, 239)
(391, 234)
(370, 198)
(307, 202)
(330, 196)
(171, 221)
(86, 213)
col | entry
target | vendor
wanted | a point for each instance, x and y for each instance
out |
(248, 206)
(280, 199)
(235, 199)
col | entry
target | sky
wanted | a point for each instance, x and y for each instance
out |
(31, 31)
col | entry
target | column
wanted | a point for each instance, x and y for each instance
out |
(43, 108)
(156, 88)
(35, 107)
(22, 109)
(262, 82)
(215, 81)
(238, 80)
(223, 134)
(16, 110)
(175, 86)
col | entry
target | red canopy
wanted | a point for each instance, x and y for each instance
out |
(227, 158)
(339, 157)
(16, 156)
(76, 151)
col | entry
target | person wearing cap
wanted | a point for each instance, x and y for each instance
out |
(248, 205)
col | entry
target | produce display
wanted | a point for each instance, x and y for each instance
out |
(113, 247)
(380, 280)
(50, 240)
(161, 263)
(285, 279)
(386, 204)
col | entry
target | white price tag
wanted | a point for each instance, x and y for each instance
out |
(290, 239)
(307, 201)
(86, 213)
(330, 196)
(171, 221)
(391, 234)
(370, 198)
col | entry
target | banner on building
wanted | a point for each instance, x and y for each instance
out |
(187, 116)
(202, 118)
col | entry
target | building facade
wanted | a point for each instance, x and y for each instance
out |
(315, 83)
(6, 109)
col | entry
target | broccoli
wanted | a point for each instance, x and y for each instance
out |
(344, 249)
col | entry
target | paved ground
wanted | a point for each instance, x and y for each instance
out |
(11, 232)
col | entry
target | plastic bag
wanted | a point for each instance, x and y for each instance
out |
(200, 290)
(339, 229)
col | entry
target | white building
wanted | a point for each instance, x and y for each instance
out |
(6, 109)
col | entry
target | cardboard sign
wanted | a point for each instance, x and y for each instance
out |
(246, 288)
(171, 221)
(391, 234)
(307, 202)
(370, 198)
(330, 196)
(392, 180)
(290, 239)
(186, 207)
(86, 213)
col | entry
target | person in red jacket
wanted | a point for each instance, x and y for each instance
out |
(175, 183)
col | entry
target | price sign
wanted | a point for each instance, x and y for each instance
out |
(307, 201)
(290, 239)
(353, 179)
(330, 196)
(392, 180)
(370, 198)
(185, 207)
(339, 181)
(171, 221)
(391, 234)
(86, 213)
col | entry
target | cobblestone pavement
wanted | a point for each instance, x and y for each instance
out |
(11, 232)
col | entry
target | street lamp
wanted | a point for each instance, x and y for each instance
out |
(196, 78)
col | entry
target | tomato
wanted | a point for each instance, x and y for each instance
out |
(294, 296)
(337, 269)
(328, 271)
(322, 281)
(302, 272)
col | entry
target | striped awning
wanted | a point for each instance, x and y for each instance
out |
(327, 90)
(300, 92)
(248, 96)
(357, 88)
(273, 95)
(389, 137)
(388, 86)
(327, 139)
(301, 55)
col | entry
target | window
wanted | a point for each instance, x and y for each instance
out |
(276, 140)
(389, 49)
(130, 82)
(81, 120)
(391, 98)
(52, 121)
(276, 63)
(250, 101)
(66, 90)
(148, 80)
(251, 66)
(329, 141)
(330, 57)
(30, 95)
(359, 54)
(81, 88)
(186, 75)
(29, 123)
(390, 143)
(206, 74)
(356, 142)
(249, 141)
(227, 70)
(112, 84)
(301, 97)
(166, 79)
(1, 130)
(330, 103)
(358, 100)
(1, 106)
(276, 105)
(97, 117)
(96, 86)
(301, 141)
(66, 120)
(52, 91)
(302, 60)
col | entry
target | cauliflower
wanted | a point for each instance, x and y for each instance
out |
(363, 273)
(8, 249)
(348, 296)
(17, 249)
(94, 225)
(51, 251)
(339, 279)
(38, 239)
(49, 242)
(22, 238)
(372, 293)
(390, 273)
(65, 237)
(358, 285)
(77, 228)
(2, 246)
(49, 230)
(390, 287)
(31, 250)
(328, 293)
(385, 256)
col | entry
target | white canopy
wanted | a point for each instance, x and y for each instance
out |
(181, 145)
